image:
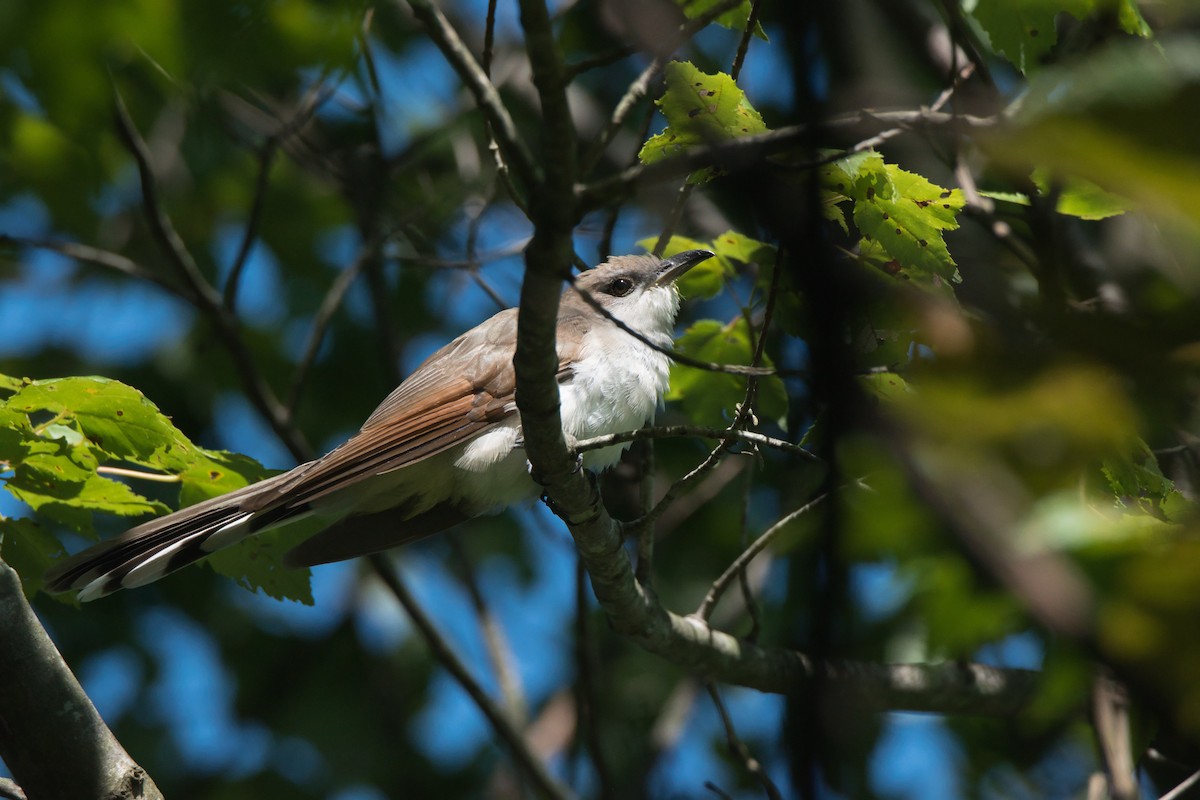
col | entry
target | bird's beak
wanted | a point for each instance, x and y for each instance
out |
(671, 268)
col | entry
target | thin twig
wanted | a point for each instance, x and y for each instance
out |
(458, 55)
(674, 355)
(747, 35)
(744, 151)
(156, 477)
(312, 100)
(693, 431)
(9, 790)
(203, 296)
(156, 216)
(739, 564)
(316, 334)
(499, 653)
(501, 724)
(748, 598)
(641, 85)
(739, 749)
(1179, 791)
(717, 790)
(602, 60)
(101, 258)
(266, 159)
(587, 699)
(681, 198)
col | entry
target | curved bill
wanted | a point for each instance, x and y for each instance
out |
(671, 268)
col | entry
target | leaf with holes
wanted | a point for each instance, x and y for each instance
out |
(1024, 30)
(904, 213)
(701, 109)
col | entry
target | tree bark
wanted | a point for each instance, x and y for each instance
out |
(51, 737)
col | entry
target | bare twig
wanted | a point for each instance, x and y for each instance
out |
(739, 564)
(101, 258)
(1110, 721)
(745, 151)
(202, 294)
(1181, 790)
(156, 215)
(137, 474)
(498, 650)
(675, 355)
(458, 55)
(587, 698)
(500, 721)
(321, 319)
(747, 35)
(697, 431)
(9, 790)
(641, 85)
(312, 100)
(739, 749)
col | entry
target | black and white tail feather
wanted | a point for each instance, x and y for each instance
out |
(161, 546)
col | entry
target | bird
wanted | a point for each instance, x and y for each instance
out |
(443, 447)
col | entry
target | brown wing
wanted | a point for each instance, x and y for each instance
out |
(450, 398)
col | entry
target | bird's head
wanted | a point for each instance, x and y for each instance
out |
(639, 290)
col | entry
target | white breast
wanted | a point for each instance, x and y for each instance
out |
(616, 386)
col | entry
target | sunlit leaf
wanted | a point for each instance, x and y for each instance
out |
(701, 109)
(900, 214)
(54, 434)
(735, 18)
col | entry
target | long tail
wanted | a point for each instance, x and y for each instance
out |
(161, 546)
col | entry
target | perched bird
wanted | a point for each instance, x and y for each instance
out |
(445, 446)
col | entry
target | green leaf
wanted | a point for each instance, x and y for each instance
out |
(1137, 482)
(1131, 19)
(257, 563)
(886, 386)
(1113, 119)
(1024, 30)
(1081, 198)
(736, 18)
(29, 549)
(901, 212)
(711, 398)
(10, 384)
(732, 246)
(701, 109)
(94, 421)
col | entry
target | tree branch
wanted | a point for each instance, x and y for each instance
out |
(202, 294)
(54, 741)
(499, 720)
(459, 56)
(746, 151)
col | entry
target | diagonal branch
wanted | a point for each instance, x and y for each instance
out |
(202, 294)
(504, 727)
(101, 258)
(459, 56)
(745, 151)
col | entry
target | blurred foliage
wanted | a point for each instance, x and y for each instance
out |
(1021, 318)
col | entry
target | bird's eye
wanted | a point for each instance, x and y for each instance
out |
(619, 287)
